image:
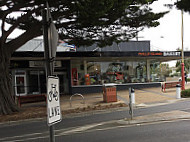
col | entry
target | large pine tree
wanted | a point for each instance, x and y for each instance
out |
(82, 21)
(183, 5)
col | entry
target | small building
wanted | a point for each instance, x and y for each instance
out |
(86, 69)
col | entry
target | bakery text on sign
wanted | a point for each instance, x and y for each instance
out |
(150, 54)
(172, 53)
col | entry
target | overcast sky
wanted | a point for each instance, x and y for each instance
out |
(167, 36)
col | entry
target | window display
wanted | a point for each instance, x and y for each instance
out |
(95, 73)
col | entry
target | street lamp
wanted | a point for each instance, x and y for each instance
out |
(182, 54)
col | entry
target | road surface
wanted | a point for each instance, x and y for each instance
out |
(65, 131)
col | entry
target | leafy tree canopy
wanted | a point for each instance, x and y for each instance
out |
(183, 5)
(82, 21)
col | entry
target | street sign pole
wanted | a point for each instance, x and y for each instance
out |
(50, 47)
(47, 60)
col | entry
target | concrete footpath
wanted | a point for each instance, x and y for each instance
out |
(143, 98)
(146, 97)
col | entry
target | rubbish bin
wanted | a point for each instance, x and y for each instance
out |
(109, 93)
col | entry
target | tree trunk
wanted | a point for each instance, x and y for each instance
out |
(7, 103)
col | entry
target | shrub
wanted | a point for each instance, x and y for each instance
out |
(185, 93)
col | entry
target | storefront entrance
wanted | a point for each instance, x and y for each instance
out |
(20, 85)
(63, 82)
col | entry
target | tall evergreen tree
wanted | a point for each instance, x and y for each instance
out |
(82, 21)
(183, 5)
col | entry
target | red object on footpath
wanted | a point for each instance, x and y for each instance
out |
(109, 94)
(182, 76)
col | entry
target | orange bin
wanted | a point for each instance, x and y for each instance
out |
(87, 79)
(109, 93)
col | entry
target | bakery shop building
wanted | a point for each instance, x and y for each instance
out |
(86, 69)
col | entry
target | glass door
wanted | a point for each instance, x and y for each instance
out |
(20, 82)
(63, 82)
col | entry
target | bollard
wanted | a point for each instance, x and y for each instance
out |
(131, 101)
(178, 91)
(132, 96)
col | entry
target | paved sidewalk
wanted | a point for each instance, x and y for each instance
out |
(158, 117)
(143, 97)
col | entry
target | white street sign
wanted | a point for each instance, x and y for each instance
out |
(53, 101)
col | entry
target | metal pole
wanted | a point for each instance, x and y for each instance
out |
(182, 54)
(39, 87)
(130, 104)
(47, 61)
(46, 44)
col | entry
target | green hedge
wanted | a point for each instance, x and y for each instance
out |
(185, 93)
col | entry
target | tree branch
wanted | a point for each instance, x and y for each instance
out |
(3, 30)
(15, 25)
(16, 43)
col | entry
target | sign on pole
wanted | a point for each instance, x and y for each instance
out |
(52, 35)
(53, 101)
(52, 39)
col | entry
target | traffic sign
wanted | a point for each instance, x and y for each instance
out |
(53, 101)
(53, 40)
(52, 35)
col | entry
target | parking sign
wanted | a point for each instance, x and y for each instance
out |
(53, 101)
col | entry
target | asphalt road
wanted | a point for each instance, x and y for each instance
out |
(177, 131)
(164, 132)
(28, 131)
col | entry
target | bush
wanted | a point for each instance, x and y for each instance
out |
(185, 93)
(176, 74)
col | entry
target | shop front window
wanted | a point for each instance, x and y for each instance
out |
(112, 72)
(141, 72)
(95, 73)
(155, 72)
(77, 73)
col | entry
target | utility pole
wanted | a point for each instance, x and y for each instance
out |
(182, 54)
